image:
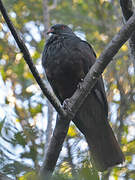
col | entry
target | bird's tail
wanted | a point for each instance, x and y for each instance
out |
(104, 148)
(92, 121)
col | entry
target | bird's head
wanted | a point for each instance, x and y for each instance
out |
(59, 29)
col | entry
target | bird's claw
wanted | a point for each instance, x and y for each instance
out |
(66, 104)
(80, 83)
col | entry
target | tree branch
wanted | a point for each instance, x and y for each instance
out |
(53, 99)
(127, 10)
(54, 148)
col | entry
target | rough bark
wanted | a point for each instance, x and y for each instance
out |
(128, 10)
(54, 148)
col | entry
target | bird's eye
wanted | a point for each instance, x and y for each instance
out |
(63, 27)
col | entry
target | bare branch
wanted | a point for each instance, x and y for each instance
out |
(54, 148)
(53, 99)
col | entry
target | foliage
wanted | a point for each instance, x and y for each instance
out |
(23, 108)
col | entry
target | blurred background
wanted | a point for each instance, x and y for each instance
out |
(27, 118)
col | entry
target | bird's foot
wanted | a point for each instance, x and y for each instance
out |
(66, 104)
(80, 83)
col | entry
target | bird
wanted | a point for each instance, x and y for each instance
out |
(66, 59)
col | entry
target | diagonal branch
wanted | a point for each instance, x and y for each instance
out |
(53, 99)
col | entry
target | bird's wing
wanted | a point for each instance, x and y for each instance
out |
(87, 50)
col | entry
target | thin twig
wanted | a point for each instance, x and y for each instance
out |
(53, 99)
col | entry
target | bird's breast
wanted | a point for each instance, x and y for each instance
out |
(62, 69)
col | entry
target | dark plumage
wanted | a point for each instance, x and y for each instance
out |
(66, 60)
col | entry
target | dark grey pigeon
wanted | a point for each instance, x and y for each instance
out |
(66, 60)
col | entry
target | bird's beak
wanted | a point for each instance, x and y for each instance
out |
(50, 31)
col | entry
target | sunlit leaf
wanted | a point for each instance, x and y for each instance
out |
(29, 176)
(35, 110)
(72, 131)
